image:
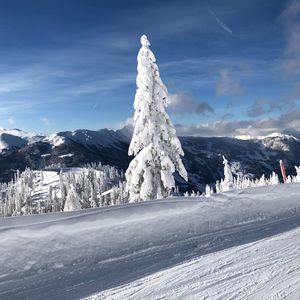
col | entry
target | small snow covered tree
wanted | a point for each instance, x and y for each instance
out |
(72, 201)
(228, 177)
(218, 189)
(274, 179)
(207, 191)
(262, 180)
(154, 143)
(298, 174)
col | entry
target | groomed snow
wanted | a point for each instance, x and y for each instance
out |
(232, 246)
(264, 269)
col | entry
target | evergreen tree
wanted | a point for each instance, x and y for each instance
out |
(154, 143)
(72, 201)
(207, 191)
(228, 177)
(274, 179)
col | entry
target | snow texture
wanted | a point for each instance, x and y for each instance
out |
(267, 269)
(236, 245)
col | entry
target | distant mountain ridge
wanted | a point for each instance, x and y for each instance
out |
(203, 155)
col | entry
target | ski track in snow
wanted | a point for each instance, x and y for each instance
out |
(265, 269)
(236, 245)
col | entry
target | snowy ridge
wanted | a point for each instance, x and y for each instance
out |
(15, 138)
(95, 138)
(110, 247)
(89, 138)
(55, 140)
(263, 137)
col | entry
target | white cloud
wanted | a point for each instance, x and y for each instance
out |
(287, 122)
(45, 121)
(11, 120)
(119, 125)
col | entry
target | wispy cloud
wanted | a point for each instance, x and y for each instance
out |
(45, 121)
(50, 81)
(11, 120)
(100, 85)
(290, 18)
(15, 106)
(221, 23)
(20, 80)
(263, 106)
(228, 84)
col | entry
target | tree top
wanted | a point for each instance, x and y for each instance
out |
(144, 41)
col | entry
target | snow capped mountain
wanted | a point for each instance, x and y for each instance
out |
(10, 138)
(89, 138)
(275, 141)
(16, 138)
(263, 137)
(8, 141)
(20, 149)
(203, 156)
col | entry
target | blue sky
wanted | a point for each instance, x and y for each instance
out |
(231, 67)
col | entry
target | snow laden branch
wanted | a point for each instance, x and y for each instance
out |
(154, 143)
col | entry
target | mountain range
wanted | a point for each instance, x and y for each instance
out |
(203, 155)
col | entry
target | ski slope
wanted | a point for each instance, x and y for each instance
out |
(264, 269)
(237, 245)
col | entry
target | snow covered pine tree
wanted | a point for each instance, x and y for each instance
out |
(228, 177)
(72, 201)
(154, 142)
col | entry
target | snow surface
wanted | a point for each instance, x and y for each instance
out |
(55, 140)
(235, 245)
(266, 269)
